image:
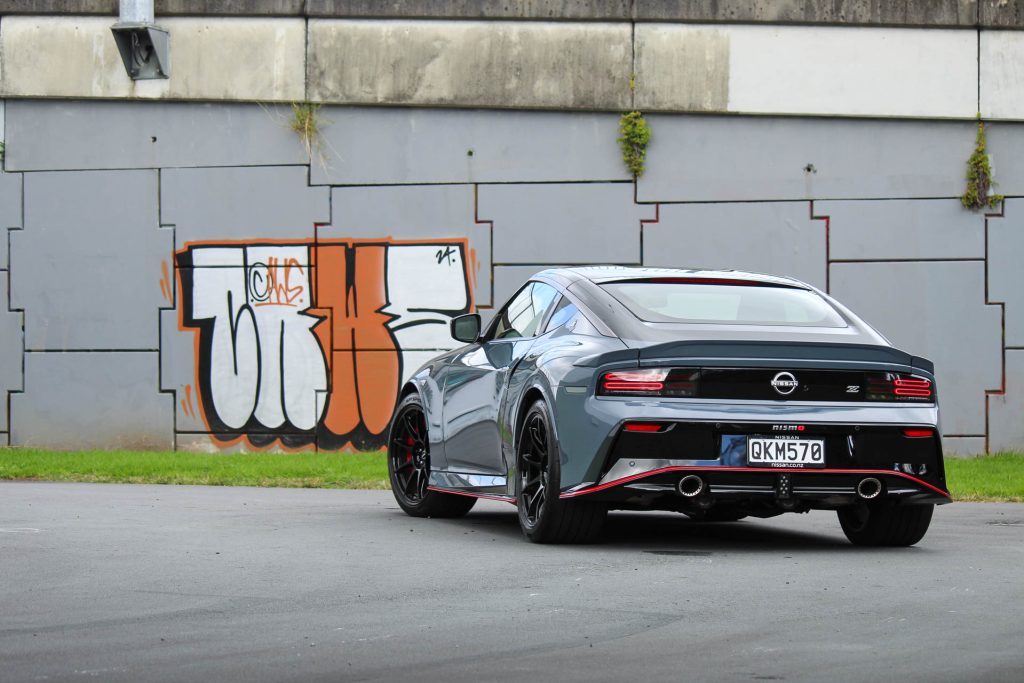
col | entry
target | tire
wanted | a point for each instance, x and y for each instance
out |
(409, 466)
(543, 516)
(886, 525)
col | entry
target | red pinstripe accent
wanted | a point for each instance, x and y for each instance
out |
(690, 468)
(485, 496)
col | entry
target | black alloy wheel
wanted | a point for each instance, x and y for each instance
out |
(533, 473)
(409, 454)
(543, 516)
(409, 466)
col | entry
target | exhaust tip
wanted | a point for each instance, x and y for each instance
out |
(690, 486)
(869, 488)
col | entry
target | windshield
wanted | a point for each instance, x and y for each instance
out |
(732, 304)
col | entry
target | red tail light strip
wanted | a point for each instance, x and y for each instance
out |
(915, 388)
(643, 427)
(613, 385)
(761, 470)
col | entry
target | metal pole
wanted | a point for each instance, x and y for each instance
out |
(136, 12)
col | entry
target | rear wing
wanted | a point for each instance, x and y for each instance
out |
(765, 354)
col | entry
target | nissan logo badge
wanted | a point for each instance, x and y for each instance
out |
(784, 383)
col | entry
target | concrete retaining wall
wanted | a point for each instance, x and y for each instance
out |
(608, 65)
(163, 257)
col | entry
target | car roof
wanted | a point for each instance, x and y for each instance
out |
(584, 283)
(602, 274)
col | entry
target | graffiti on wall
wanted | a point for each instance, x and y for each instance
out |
(306, 343)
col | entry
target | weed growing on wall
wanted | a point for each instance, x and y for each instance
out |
(306, 122)
(979, 176)
(635, 134)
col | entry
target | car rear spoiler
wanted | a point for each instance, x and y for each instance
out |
(760, 354)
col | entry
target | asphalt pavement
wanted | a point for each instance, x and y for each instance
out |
(176, 583)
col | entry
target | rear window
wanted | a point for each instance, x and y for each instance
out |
(736, 304)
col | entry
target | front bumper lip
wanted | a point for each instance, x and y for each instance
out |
(587, 489)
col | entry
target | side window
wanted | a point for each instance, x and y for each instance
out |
(565, 311)
(523, 314)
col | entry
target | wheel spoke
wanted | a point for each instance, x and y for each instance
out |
(533, 507)
(536, 437)
(412, 483)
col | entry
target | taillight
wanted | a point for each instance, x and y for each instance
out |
(642, 382)
(915, 433)
(669, 382)
(892, 386)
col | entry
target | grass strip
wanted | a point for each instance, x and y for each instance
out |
(998, 477)
(297, 470)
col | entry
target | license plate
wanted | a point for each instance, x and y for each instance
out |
(775, 452)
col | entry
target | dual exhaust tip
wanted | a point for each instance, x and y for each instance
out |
(869, 488)
(692, 486)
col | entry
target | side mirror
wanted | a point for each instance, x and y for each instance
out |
(466, 328)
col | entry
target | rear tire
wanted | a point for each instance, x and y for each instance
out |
(409, 466)
(886, 525)
(543, 516)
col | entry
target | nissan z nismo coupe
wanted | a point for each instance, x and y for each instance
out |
(717, 394)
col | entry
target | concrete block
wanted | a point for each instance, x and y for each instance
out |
(916, 229)
(1005, 276)
(854, 12)
(378, 146)
(682, 68)
(806, 70)
(779, 238)
(1001, 14)
(1006, 411)
(1001, 70)
(963, 446)
(250, 204)
(48, 135)
(470, 63)
(1005, 147)
(571, 223)
(10, 210)
(727, 158)
(92, 400)
(592, 10)
(12, 340)
(211, 58)
(179, 372)
(415, 212)
(89, 263)
(936, 310)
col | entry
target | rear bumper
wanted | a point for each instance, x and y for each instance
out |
(709, 438)
(653, 483)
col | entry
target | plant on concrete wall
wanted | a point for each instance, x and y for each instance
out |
(634, 136)
(979, 176)
(306, 122)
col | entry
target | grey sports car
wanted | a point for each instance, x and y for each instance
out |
(717, 394)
